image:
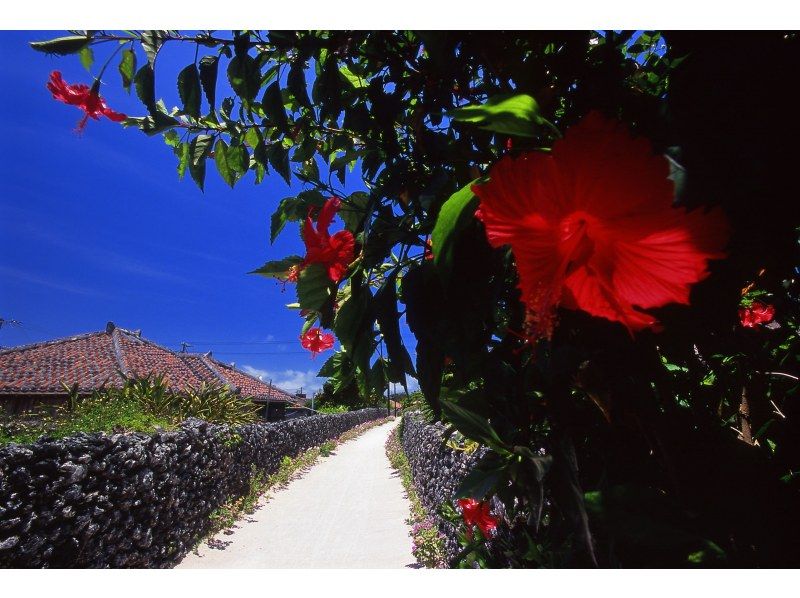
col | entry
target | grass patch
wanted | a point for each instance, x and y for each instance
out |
(428, 541)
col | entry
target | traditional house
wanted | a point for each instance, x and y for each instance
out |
(33, 375)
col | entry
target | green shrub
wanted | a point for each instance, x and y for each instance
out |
(140, 405)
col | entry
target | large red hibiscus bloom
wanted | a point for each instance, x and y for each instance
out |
(593, 227)
(336, 251)
(86, 98)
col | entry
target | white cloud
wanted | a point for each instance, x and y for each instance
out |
(289, 380)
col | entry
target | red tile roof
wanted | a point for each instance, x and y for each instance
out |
(96, 359)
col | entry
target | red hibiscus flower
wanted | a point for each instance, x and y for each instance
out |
(85, 98)
(757, 313)
(316, 341)
(477, 513)
(593, 227)
(334, 252)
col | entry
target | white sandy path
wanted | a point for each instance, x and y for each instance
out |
(347, 511)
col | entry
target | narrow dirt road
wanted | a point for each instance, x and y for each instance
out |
(348, 511)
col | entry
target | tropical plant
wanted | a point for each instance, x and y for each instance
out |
(632, 194)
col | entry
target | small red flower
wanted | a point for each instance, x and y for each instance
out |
(334, 252)
(316, 341)
(85, 98)
(428, 251)
(757, 313)
(477, 513)
(593, 227)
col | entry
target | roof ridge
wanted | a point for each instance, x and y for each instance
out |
(54, 341)
(120, 358)
(207, 359)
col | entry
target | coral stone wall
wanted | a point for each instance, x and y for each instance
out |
(138, 500)
(437, 470)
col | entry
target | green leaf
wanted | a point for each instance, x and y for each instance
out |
(296, 82)
(456, 213)
(278, 268)
(483, 477)
(189, 90)
(353, 326)
(353, 211)
(227, 173)
(244, 76)
(313, 287)
(70, 44)
(287, 210)
(184, 153)
(273, 106)
(352, 78)
(278, 157)
(145, 83)
(332, 365)
(377, 377)
(253, 137)
(127, 68)
(151, 42)
(198, 150)
(87, 57)
(506, 114)
(208, 78)
(389, 322)
(473, 426)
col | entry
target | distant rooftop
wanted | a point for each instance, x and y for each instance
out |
(96, 359)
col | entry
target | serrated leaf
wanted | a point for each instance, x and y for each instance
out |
(183, 159)
(313, 287)
(244, 76)
(252, 137)
(198, 150)
(354, 211)
(145, 83)
(70, 44)
(127, 68)
(516, 115)
(278, 157)
(296, 82)
(278, 268)
(287, 210)
(172, 139)
(189, 90)
(221, 159)
(272, 103)
(208, 79)
(456, 213)
(151, 42)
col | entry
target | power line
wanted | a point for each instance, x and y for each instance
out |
(273, 342)
(260, 352)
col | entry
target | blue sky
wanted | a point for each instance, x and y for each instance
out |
(98, 227)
